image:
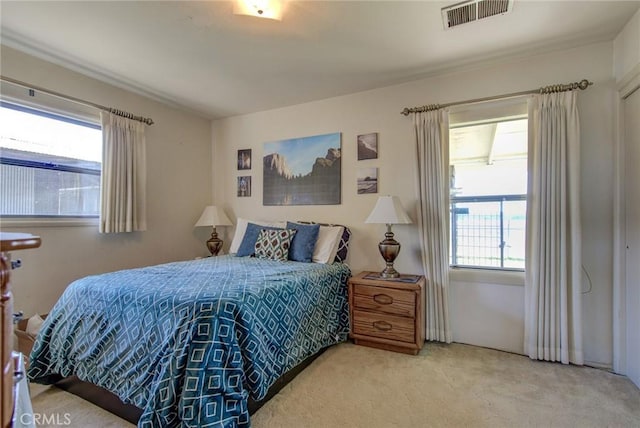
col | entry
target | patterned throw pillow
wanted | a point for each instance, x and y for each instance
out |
(274, 244)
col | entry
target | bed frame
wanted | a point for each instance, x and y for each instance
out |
(111, 403)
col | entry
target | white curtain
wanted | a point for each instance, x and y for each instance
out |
(124, 172)
(553, 329)
(432, 142)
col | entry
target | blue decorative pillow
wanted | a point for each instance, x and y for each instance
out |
(274, 244)
(248, 244)
(303, 242)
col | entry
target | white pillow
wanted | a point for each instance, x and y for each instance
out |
(241, 227)
(327, 244)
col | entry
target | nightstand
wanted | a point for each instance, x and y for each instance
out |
(387, 313)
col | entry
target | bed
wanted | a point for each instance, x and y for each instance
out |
(190, 343)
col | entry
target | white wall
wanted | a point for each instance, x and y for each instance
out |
(626, 304)
(179, 186)
(494, 305)
(497, 299)
(626, 55)
(632, 233)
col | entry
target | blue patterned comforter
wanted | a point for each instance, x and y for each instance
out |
(188, 342)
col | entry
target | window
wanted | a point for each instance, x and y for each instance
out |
(488, 187)
(49, 163)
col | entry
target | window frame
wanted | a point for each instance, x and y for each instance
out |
(477, 114)
(34, 220)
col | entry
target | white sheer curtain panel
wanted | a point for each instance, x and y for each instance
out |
(124, 175)
(432, 142)
(553, 330)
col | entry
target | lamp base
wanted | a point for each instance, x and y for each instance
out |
(214, 244)
(389, 250)
(389, 272)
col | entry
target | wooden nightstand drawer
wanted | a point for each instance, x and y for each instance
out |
(384, 326)
(386, 300)
(387, 313)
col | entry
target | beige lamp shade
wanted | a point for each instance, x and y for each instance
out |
(213, 216)
(388, 210)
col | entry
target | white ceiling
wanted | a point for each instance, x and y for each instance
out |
(200, 56)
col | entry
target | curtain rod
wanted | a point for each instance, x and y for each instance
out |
(115, 111)
(583, 84)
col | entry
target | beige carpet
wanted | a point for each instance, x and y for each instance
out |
(444, 386)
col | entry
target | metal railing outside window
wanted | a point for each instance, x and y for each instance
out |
(488, 231)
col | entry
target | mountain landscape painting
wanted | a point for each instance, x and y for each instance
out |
(303, 171)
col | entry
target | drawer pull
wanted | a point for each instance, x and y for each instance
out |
(18, 375)
(383, 299)
(17, 316)
(382, 325)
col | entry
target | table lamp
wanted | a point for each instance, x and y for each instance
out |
(389, 211)
(213, 216)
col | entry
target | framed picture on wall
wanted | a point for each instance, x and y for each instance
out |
(244, 186)
(244, 159)
(367, 180)
(303, 171)
(368, 146)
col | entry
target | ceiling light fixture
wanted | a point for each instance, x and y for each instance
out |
(270, 9)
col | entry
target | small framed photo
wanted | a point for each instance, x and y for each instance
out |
(367, 180)
(244, 186)
(368, 146)
(244, 159)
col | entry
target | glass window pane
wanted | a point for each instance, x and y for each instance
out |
(488, 234)
(44, 192)
(477, 234)
(515, 222)
(33, 133)
(488, 186)
(507, 177)
(49, 165)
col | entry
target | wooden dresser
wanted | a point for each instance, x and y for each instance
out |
(9, 242)
(387, 314)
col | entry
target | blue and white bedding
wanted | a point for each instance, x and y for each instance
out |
(189, 342)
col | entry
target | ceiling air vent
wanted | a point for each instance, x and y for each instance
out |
(473, 10)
